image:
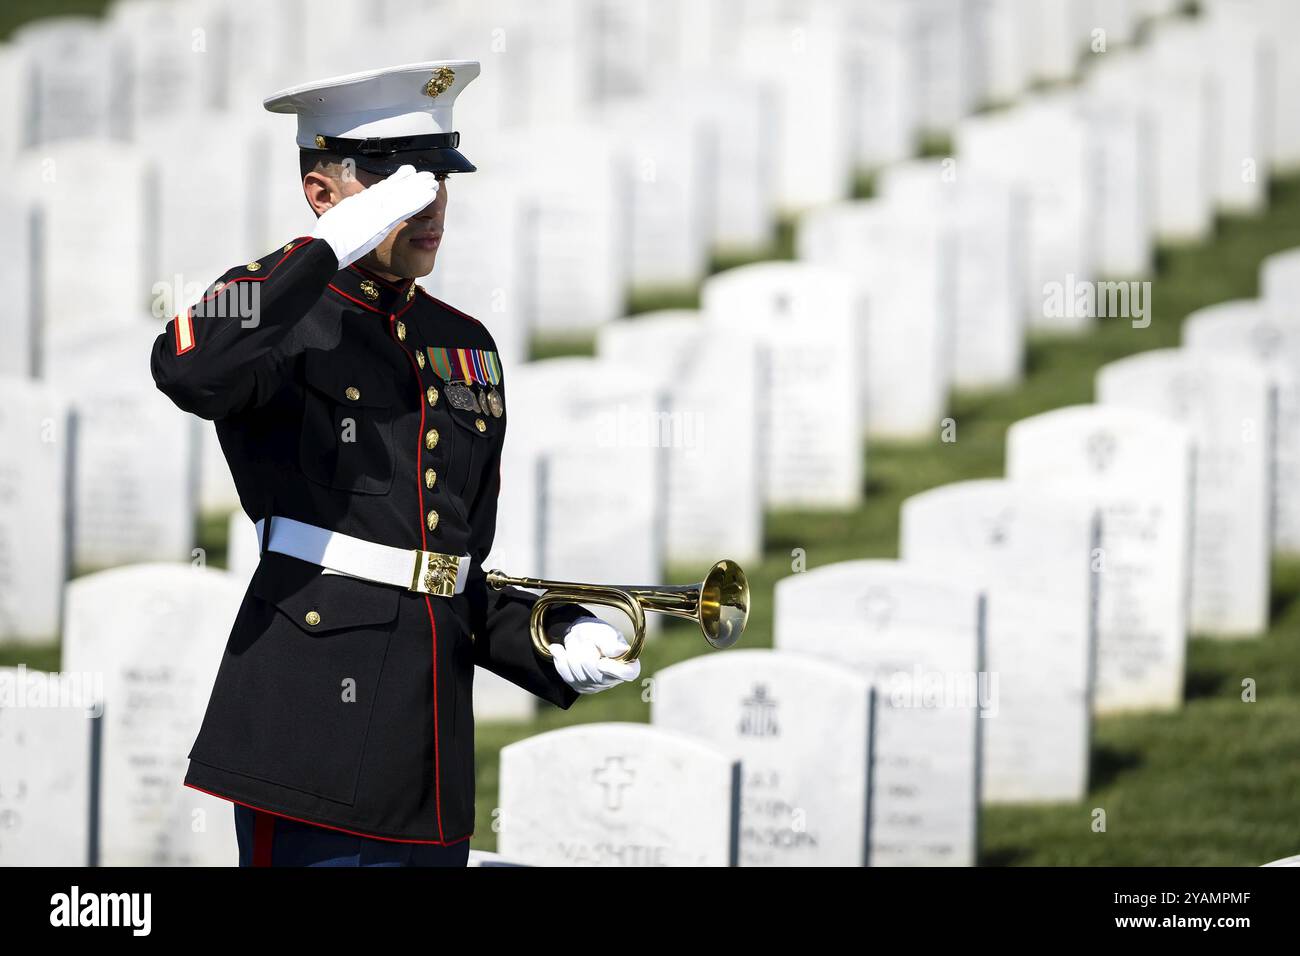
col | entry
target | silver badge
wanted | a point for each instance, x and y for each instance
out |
(460, 396)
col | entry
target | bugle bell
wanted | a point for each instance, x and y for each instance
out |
(719, 604)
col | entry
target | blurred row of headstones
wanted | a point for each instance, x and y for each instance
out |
(967, 672)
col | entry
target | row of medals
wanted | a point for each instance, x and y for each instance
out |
(481, 402)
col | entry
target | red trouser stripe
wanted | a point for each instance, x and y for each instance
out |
(263, 832)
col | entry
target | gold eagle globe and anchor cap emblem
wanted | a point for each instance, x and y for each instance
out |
(441, 81)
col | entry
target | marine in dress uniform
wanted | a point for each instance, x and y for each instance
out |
(363, 422)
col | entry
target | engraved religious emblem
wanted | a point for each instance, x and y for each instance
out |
(877, 607)
(1265, 338)
(997, 529)
(614, 777)
(1099, 449)
(758, 714)
(1182, 395)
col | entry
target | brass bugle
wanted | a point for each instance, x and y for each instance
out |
(719, 604)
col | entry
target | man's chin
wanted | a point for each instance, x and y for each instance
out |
(416, 267)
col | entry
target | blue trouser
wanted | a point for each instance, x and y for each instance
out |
(268, 840)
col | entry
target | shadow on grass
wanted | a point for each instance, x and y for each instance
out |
(1109, 763)
(1004, 856)
(1201, 683)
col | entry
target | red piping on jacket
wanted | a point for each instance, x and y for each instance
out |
(225, 285)
(433, 627)
(449, 308)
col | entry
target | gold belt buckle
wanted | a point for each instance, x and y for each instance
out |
(435, 573)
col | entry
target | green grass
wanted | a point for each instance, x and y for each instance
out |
(15, 13)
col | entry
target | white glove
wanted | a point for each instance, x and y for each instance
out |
(358, 223)
(583, 660)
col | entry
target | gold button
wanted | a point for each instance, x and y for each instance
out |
(480, 424)
(253, 266)
(430, 476)
(353, 393)
(320, 141)
(431, 439)
(431, 520)
(410, 293)
(431, 394)
(419, 357)
(218, 287)
(401, 331)
(288, 246)
(312, 618)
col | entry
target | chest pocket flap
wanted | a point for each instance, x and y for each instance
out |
(346, 442)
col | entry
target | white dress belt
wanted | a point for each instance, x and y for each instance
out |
(423, 572)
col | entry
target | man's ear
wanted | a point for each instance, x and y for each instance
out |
(321, 191)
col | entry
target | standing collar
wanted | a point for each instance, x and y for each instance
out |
(371, 291)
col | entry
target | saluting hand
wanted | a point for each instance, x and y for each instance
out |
(585, 661)
(359, 222)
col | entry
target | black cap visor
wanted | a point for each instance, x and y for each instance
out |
(444, 160)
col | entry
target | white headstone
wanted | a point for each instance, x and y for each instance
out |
(135, 454)
(710, 380)
(45, 768)
(816, 135)
(1136, 467)
(1031, 552)
(1178, 104)
(887, 37)
(578, 242)
(802, 729)
(1243, 328)
(987, 222)
(918, 636)
(742, 198)
(243, 548)
(594, 422)
(1045, 148)
(618, 795)
(951, 72)
(1233, 56)
(20, 226)
(98, 251)
(34, 478)
(156, 633)
(74, 80)
(1126, 220)
(904, 267)
(481, 262)
(810, 385)
(217, 491)
(1227, 403)
(1279, 22)
(1058, 35)
(1279, 285)
(670, 165)
(204, 232)
(167, 72)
